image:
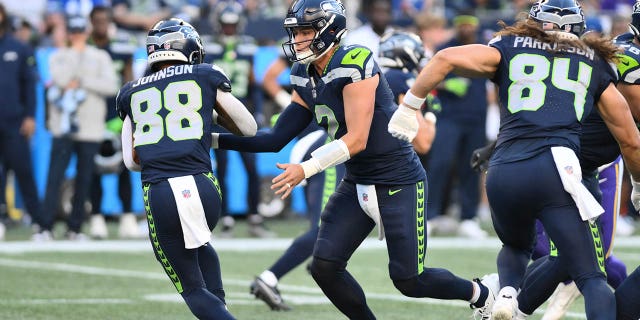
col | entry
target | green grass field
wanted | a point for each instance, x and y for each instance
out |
(122, 280)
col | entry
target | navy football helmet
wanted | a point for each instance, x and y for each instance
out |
(634, 26)
(565, 15)
(326, 17)
(402, 50)
(174, 40)
(228, 19)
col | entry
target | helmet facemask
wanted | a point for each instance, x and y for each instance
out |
(327, 20)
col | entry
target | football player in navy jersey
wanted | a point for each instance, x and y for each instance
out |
(234, 52)
(317, 190)
(168, 116)
(548, 84)
(402, 55)
(628, 293)
(341, 88)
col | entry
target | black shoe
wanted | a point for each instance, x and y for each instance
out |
(270, 295)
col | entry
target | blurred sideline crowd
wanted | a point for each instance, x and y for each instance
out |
(80, 52)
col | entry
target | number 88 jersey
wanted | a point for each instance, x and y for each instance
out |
(172, 115)
(545, 94)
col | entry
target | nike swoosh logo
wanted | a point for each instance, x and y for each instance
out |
(602, 180)
(355, 55)
(625, 62)
(392, 192)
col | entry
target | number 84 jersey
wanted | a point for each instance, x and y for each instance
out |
(172, 115)
(545, 94)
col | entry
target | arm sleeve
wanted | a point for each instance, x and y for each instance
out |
(292, 121)
(127, 147)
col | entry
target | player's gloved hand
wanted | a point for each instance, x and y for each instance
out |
(480, 157)
(403, 124)
(635, 194)
(458, 86)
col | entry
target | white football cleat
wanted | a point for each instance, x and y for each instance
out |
(506, 305)
(561, 300)
(492, 282)
(471, 229)
(3, 229)
(98, 227)
(128, 228)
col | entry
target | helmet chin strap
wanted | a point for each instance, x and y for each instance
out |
(313, 57)
(310, 56)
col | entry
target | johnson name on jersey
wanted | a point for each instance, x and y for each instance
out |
(172, 115)
(385, 160)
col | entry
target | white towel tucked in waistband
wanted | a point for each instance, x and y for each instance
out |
(194, 223)
(369, 203)
(571, 175)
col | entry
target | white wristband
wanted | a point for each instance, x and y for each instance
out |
(412, 101)
(329, 155)
(282, 98)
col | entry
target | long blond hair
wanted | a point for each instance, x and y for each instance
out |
(603, 46)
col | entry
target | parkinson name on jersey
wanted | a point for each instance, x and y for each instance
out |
(528, 42)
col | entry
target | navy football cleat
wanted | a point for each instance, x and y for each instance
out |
(270, 295)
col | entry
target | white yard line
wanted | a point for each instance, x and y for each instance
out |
(313, 294)
(243, 245)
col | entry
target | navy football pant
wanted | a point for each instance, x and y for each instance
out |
(344, 225)
(194, 272)
(523, 191)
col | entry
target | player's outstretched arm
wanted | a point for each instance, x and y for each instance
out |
(292, 121)
(469, 61)
(234, 116)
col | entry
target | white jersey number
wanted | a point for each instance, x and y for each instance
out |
(182, 99)
(527, 73)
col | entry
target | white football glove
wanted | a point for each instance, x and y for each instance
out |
(635, 194)
(403, 124)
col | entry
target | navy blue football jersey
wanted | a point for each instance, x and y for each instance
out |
(236, 59)
(172, 115)
(399, 81)
(598, 146)
(385, 160)
(544, 95)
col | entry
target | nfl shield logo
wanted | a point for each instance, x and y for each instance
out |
(150, 49)
(365, 197)
(568, 169)
(167, 46)
(186, 193)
